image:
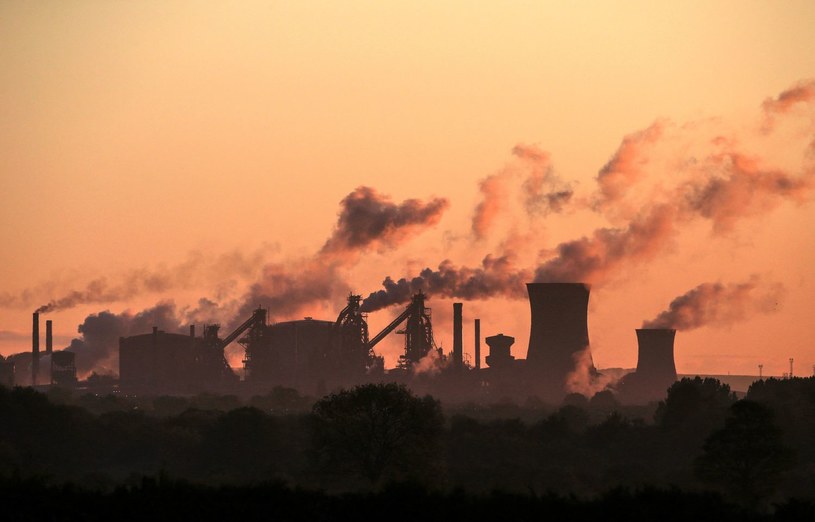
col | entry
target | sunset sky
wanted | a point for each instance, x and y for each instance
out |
(178, 151)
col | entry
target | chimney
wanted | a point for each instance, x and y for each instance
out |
(457, 334)
(192, 330)
(49, 337)
(558, 330)
(35, 349)
(478, 344)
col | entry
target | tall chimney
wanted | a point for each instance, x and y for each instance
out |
(457, 335)
(35, 349)
(558, 332)
(49, 337)
(478, 344)
(192, 330)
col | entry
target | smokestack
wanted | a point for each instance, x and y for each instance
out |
(478, 344)
(49, 337)
(457, 335)
(35, 349)
(558, 332)
(192, 330)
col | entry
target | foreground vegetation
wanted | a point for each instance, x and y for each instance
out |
(701, 449)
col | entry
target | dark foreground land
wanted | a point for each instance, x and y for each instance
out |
(378, 451)
(161, 499)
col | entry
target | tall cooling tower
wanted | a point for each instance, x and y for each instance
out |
(655, 363)
(559, 329)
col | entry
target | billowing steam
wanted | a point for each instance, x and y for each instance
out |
(718, 304)
(493, 199)
(735, 186)
(626, 166)
(594, 258)
(543, 191)
(368, 220)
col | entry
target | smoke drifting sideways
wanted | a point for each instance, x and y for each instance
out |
(718, 304)
(222, 271)
(712, 179)
(369, 220)
(497, 276)
(788, 100)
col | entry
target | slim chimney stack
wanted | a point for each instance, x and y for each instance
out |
(457, 335)
(49, 337)
(35, 349)
(478, 344)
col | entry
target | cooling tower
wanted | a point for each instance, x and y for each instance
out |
(558, 332)
(655, 361)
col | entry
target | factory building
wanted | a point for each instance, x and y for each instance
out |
(318, 356)
(162, 362)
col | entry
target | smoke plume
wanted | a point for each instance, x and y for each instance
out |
(97, 348)
(802, 93)
(593, 259)
(497, 276)
(368, 219)
(718, 304)
(493, 199)
(543, 191)
(196, 271)
(733, 185)
(625, 167)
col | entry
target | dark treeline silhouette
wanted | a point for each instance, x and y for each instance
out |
(754, 453)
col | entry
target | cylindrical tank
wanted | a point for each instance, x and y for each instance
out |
(559, 329)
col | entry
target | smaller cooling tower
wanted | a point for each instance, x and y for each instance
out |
(656, 354)
(656, 370)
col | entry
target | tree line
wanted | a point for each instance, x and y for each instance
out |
(753, 452)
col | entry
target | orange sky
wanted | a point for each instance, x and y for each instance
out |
(139, 137)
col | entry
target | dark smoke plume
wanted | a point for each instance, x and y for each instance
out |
(497, 276)
(368, 219)
(97, 348)
(290, 291)
(592, 259)
(735, 185)
(718, 304)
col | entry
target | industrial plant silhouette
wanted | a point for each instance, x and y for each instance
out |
(317, 356)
